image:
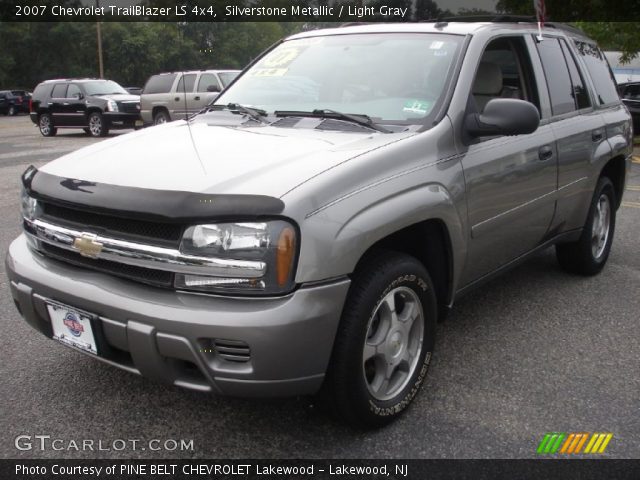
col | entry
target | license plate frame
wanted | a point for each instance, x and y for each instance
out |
(73, 327)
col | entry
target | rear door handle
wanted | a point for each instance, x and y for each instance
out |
(545, 153)
(196, 98)
(597, 135)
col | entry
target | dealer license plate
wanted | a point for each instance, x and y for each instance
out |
(72, 327)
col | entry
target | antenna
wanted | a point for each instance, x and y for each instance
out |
(188, 118)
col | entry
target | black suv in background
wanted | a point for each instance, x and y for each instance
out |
(630, 95)
(13, 102)
(94, 105)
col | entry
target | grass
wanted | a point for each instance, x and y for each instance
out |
(636, 140)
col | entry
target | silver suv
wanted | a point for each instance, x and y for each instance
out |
(171, 96)
(307, 231)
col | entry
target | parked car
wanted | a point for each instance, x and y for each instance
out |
(630, 94)
(170, 96)
(94, 105)
(307, 231)
(13, 102)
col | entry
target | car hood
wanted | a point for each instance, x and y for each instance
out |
(209, 158)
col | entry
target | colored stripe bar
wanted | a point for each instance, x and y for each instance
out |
(574, 444)
(594, 437)
(543, 443)
(561, 436)
(550, 443)
(605, 443)
(565, 447)
(582, 442)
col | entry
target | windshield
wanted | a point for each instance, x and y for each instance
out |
(390, 76)
(103, 87)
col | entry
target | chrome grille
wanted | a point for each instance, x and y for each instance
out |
(152, 233)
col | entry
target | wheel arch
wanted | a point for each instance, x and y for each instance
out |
(159, 108)
(93, 109)
(616, 169)
(429, 242)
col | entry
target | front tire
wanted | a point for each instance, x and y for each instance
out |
(589, 254)
(385, 341)
(45, 124)
(97, 126)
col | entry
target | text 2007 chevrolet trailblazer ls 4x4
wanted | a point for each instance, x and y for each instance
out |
(304, 233)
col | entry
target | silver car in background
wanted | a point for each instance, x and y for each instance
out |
(176, 95)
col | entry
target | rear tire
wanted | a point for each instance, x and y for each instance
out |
(161, 117)
(45, 124)
(589, 254)
(13, 111)
(384, 342)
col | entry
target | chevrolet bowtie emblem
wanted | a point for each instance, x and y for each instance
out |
(87, 245)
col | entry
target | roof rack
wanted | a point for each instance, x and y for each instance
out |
(505, 18)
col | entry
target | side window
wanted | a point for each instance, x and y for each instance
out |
(632, 92)
(557, 75)
(159, 84)
(59, 91)
(599, 71)
(504, 72)
(73, 91)
(186, 83)
(206, 80)
(579, 91)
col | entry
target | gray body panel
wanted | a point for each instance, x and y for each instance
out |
(496, 197)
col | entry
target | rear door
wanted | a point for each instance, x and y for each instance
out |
(75, 107)
(510, 180)
(184, 96)
(56, 104)
(578, 127)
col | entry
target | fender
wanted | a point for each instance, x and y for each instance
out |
(352, 226)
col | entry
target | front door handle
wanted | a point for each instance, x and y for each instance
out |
(177, 99)
(545, 153)
(196, 98)
(597, 135)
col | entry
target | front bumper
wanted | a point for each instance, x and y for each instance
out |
(171, 336)
(122, 120)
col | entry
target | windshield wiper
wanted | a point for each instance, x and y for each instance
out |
(255, 113)
(359, 119)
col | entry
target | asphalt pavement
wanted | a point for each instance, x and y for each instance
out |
(535, 351)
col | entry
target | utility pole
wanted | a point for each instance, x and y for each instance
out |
(99, 33)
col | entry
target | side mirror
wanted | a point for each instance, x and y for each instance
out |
(503, 116)
(79, 96)
(213, 89)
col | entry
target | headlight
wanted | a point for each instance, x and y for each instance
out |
(112, 106)
(273, 243)
(31, 208)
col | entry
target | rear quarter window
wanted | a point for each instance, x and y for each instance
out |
(599, 71)
(42, 91)
(159, 84)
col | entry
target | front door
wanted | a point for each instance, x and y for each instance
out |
(511, 181)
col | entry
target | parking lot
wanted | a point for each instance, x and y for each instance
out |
(535, 351)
